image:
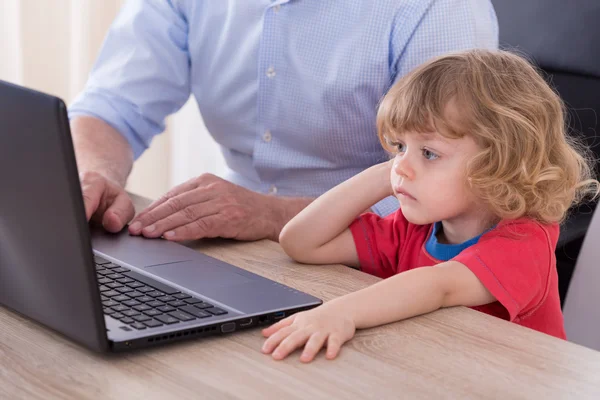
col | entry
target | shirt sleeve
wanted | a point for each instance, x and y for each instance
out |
(386, 206)
(426, 29)
(514, 262)
(379, 242)
(141, 74)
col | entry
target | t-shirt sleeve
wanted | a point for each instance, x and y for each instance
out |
(379, 242)
(514, 262)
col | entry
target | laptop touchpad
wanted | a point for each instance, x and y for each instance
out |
(199, 275)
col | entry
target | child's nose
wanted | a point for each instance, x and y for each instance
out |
(402, 166)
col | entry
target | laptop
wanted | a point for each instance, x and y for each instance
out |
(108, 292)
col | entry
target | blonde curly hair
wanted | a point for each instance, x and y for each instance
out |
(529, 165)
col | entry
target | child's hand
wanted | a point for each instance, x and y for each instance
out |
(323, 326)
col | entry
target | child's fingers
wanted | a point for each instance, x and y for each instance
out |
(273, 341)
(277, 326)
(289, 344)
(312, 347)
(334, 344)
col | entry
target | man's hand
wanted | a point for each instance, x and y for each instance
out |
(106, 201)
(208, 206)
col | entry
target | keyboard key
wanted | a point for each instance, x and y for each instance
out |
(131, 313)
(154, 293)
(216, 311)
(145, 289)
(108, 311)
(120, 308)
(181, 296)
(121, 297)
(110, 303)
(142, 307)
(104, 272)
(111, 293)
(152, 323)
(155, 303)
(100, 260)
(117, 315)
(111, 265)
(193, 301)
(196, 312)
(127, 320)
(151, 282)
(152, 312)
(166, 299)
(203, 305)
(104, 281)
(141, 318)
(124, 289)
(135, 294)
(177, 303)
(104, 288)
(167, 319)
(145, 299)
(104, 298)
(134, 284)
(131, 303)
(124, 280)
(114, 285)
(165, 308)
(139, 326)
(115, 276)
(181, 315)
(120, 269)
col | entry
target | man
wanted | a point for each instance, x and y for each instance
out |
(288, 88)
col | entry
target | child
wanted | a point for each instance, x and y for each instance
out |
(484, 173)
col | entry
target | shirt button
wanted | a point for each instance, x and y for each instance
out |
(270, 72)
(267, 136)
(273, 189)
(276, 8)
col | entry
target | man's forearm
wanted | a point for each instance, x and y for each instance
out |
(100, 148)
(284, 209)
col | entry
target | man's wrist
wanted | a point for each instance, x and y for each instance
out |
(280, 210)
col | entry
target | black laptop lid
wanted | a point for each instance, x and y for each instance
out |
(46, 265)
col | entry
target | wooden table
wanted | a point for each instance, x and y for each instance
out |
(453, 353)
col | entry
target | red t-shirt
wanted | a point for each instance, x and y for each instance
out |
(515, 261)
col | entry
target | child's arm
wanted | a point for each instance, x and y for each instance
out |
(402, 296)
(319, 234)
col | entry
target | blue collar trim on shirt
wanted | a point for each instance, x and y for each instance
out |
(445, 252)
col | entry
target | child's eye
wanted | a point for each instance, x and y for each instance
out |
(399, 147)
(430, 155)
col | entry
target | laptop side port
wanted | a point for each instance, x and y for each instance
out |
(278, 315)
(246, 322)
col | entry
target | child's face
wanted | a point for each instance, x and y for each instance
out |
(429, 177)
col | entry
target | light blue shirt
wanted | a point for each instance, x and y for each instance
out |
(288, 88)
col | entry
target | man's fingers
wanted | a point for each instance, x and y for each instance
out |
(210, 226)
(174, 192)
(190, 217)
(118, 213)
(92, 194)
(169, 207)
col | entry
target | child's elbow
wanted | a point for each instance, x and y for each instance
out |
(292, 245)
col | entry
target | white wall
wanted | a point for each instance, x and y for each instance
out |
(51, 46)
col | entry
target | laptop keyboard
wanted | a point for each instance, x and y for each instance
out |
(142, 302)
